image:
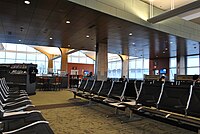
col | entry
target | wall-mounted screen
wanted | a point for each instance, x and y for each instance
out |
(163, 71)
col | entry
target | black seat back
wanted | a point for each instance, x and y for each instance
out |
(149, 95)
(106, 87)
(174, 98)
(97, 86)
(130, 91)
(117, 91)
(193, 108)
(158, 83)
(82, 85)
(138, 84)
(89, 85)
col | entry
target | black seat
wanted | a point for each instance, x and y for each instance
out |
(82, 85)
(174, 98)
(117, 91)
(130, 91)
(97, 86)
(194, 107)
(89, 86)
(107, 85)
(149, 95)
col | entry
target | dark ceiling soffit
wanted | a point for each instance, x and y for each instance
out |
(175, 12)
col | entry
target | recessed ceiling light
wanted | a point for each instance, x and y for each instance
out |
(166, 48)
(171, 42)
(50, 38)
(27, 2)
(68, 45)
(87, 36)
(130, 34)
(133, 43)
(68, 22)
(20, 40)
(164, 52)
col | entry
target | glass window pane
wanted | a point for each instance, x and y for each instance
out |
(192, 71)
(10, 46)
(172, 62)
(83, 60)
(146, 63)
(31, 57)
(2, 54)
(2, 61)
(139, 63)
(30, 49)
(41, 57)
(11, 55)
(20, 61)
(75, 59)
(21, 56)
(90, 61)
(172, 73)
(10, 61)
(21, 48)
(192, 61)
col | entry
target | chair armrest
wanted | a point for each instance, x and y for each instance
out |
(24, 127)
(7, 114)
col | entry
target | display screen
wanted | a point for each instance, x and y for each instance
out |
(163, 71)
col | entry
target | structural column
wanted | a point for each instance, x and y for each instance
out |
(64, 59)
(181, 58)
(101, 68)
(50, 60)
(125, 65)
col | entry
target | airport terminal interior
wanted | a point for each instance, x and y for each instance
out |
(100, 66)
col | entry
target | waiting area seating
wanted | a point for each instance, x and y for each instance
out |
(167, 101)
(16, 114)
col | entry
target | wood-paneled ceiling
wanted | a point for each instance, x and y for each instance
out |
(36, 23)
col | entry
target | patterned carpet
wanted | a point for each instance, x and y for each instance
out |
(74, 117)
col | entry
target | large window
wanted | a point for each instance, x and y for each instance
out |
(172, 67)
(192, 65)
(18, 53)
(138, 67)
(56, 65)
(80, 57)
(114, 66)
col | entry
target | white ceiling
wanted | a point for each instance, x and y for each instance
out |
(166, 4)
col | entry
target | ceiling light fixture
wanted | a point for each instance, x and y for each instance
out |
(27, 2)
(130, 34)
(87, 36)
(133, 43)
(68, 22)
(171, 42)
(50, 38)
(68, 45)
(20, 40)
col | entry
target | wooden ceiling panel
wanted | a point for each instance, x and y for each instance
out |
(43, 19)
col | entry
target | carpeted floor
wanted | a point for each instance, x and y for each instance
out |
(68, 116)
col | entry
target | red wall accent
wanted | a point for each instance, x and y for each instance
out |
(80, 67)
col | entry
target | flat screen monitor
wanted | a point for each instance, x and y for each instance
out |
(163, 71)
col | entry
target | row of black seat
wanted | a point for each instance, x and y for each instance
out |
(16, 114)
(170, 101)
